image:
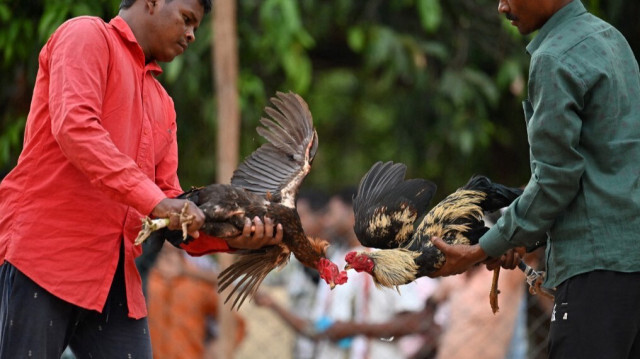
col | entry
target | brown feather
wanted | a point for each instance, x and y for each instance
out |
(319, 246)
(252, 268)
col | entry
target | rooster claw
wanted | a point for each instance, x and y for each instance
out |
(185, 221)
(148, 226)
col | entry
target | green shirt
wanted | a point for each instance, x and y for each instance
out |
(583, 126)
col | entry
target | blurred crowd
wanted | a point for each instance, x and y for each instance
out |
(297, 313)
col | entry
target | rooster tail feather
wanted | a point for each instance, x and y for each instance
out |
(497, 195)
(248, 272)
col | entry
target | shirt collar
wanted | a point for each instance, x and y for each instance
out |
(572, 9)
(125, 32)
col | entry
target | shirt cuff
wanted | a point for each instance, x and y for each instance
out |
(493, 243)
(150, 196)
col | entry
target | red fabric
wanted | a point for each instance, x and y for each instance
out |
(205, 244)
(99, 153)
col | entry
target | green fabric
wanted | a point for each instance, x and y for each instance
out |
(583, 125)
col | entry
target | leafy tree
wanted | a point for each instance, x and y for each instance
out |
(435, 84)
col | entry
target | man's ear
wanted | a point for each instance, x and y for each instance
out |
(151, 5)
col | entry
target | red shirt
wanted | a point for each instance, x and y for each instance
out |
(99, 153)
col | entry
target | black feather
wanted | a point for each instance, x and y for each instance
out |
(457, 219)
(386, 206)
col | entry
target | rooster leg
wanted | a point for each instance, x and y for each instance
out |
(535, 280)
(149, 225)
(493, 294)
(537, 289)
(185, 220)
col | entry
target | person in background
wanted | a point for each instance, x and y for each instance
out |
(99, 153)
(182, 296)
(302, 281)
(471, 329)
(356, 320)
(583, 197)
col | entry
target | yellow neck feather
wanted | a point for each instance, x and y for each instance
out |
(394, 267)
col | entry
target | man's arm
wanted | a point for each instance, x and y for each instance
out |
(554, 128)
(298, 324)
(400, 325)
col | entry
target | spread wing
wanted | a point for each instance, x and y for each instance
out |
(387, 206)
(279, 166)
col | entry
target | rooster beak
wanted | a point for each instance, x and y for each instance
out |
(347, 267)
(332, 285)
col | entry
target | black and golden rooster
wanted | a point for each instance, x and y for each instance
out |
(391, 214)
(265, 184)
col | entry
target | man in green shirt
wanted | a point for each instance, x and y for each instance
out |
(583, 197)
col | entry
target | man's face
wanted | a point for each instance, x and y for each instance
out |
(527, 15)
(172, 27)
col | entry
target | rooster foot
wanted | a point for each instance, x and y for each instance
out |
(148, 226)
(537, 289)
(493, 294)
(185, 220)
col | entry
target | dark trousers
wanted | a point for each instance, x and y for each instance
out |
(596, 315)
(36, 324)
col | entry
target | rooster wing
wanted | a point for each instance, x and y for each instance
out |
(275, 171)
(279, 166)
(386, 205)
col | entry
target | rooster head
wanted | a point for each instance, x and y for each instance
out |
(330, 273)
(360, 261)
(388, 267)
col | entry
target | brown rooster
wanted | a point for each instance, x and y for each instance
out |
(390, 214)
(265, 184)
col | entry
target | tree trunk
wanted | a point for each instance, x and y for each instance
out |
(225, 63)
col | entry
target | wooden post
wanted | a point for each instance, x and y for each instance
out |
(225, 71)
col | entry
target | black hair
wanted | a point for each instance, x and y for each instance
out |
(125, 4)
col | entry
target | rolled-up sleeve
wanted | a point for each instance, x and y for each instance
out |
(557, 165)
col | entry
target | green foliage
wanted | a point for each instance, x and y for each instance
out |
(430, 14)
(11, 139)
(435, 84)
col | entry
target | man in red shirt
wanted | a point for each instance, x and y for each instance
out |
(99, 153)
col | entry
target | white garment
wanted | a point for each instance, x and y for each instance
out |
(359, 300)
(302, 292)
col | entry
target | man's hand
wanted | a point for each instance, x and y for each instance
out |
(263, 234)
(171, 208)
(509, 260)
(339, 330)
(459, 258)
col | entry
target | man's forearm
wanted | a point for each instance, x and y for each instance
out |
(300, 325)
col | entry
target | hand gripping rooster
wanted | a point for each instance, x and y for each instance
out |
(391, 214)
(265, 184)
